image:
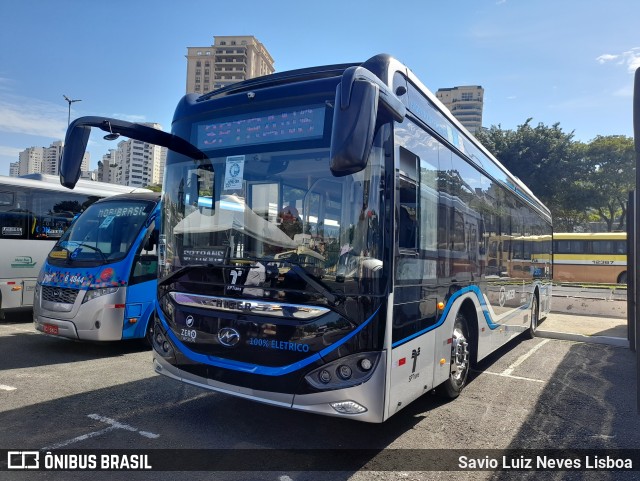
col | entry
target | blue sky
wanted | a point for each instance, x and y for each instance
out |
(566, 61)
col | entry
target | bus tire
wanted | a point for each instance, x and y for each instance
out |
(535, 317)
(622, 278)
(460, 360)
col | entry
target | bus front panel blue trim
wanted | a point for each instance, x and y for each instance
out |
(254, 368)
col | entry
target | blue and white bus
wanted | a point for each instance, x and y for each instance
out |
(363, 165)
(99, 281)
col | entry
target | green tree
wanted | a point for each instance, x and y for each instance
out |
(611, 163)
(549, 162)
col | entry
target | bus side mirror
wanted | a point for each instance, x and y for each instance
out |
(75, 146)
(353, 127)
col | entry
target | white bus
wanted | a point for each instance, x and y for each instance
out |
(35, 210)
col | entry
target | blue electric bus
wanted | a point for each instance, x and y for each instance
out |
(361, 164)
(99, 281)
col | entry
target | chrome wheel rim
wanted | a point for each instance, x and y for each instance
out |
(459, 356)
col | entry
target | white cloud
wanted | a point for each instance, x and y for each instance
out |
(630, 59)
(30, 116)
(130, 117)
(7, 151)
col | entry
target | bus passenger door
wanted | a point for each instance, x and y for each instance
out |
(415, 288)
(141, 291)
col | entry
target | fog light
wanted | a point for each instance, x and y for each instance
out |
(366, 364)
(166, 347)
(348, 407)
(324, 376)
(344, 372)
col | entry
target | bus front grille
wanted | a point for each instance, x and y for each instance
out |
(59, 294)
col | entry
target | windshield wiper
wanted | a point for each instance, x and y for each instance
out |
(313, 282)
(179, 272)
(71, 257)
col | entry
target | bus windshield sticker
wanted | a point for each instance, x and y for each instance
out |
(234, 172)
(105, 223)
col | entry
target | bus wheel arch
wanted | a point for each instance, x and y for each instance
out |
(622, 278)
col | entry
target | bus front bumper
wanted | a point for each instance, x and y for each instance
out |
(98, 331)
(369, 395)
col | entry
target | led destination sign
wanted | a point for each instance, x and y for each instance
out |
(281, 125)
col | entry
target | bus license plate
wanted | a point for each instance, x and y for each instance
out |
(51, 329)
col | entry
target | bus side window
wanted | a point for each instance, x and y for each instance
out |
(145, 265)
(408, 201)
(14, 225)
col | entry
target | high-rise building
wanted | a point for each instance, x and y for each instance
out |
(134, 163)
(230, 59)
(107, 167)
(465, 103)
(51, 158)
(43, 160)
(30, 161)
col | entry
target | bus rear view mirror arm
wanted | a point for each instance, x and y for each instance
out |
(75, 143)
(354, 118)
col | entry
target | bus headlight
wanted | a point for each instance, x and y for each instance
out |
(344, 372)
(103, 291)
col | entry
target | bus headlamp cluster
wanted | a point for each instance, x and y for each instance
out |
(103, 291)
(344, 372)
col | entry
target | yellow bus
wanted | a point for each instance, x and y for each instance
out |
(590, 257)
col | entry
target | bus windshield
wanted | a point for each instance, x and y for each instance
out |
(271, 209)
(104, 233)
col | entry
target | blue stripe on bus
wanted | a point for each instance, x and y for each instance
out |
(255, 368)
(485, 310)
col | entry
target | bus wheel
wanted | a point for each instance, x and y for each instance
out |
(535, 317)
(460, 360)
(622, 278)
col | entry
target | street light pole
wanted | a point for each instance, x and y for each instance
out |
(70, 101)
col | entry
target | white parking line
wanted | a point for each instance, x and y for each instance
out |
(113, 425)
(508, 371)
(4, 387)
(512, 377)
(523, 358)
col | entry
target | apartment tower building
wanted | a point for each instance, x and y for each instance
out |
(465, 103)
(230, 59)
(134, 163)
